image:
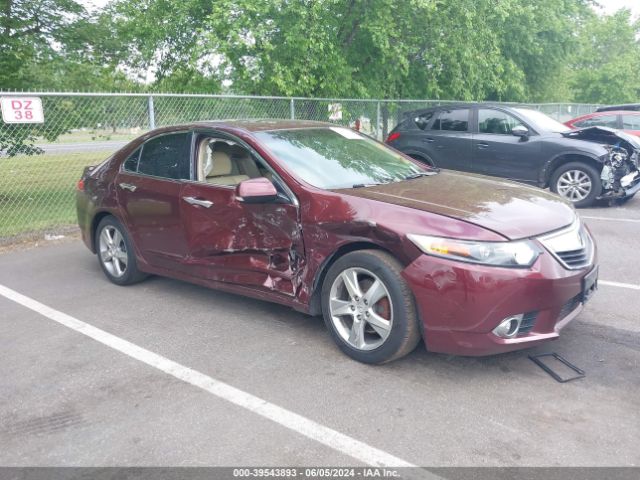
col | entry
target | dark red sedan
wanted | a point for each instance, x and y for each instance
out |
(331, 222)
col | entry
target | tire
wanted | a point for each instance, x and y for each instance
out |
(116, 254)
(396, 330)
(570, 180)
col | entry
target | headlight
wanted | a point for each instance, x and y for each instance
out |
(521, 253)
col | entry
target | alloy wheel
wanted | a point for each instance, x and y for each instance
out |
(574, 185)
(113, 251)
(361, 309)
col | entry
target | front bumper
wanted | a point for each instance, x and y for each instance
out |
(460, 304)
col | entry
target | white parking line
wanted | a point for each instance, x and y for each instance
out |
(630, 220)
(618, 284)
(331, 438)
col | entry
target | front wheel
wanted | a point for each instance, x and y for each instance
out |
(115, 253)
(369, 308)
(577, 182)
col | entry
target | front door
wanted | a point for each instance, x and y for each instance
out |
(148, 191)
(497, 152)
(258, 245)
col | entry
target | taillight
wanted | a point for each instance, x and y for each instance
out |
(393, 136)
(80, 185)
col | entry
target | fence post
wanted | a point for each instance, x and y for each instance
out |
(378, 122)
(293, 109)
(151, 112)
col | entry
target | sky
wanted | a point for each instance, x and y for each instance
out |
(607, 6)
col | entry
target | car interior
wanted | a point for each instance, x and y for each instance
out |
(223, 162)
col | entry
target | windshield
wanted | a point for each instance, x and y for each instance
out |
(541, 121)
(335, 157)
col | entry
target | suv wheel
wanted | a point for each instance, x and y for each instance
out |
(369, 308)
(577, 182)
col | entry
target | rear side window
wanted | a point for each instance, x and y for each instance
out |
(452, 120)
(601, 121)
(631, 122)
(422, 120)
(131, 163)
(167, 156)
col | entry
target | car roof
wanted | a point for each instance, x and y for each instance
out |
(448, 106)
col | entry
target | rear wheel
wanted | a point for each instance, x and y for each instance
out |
(369, 308)
(115, 253)
(577, 182)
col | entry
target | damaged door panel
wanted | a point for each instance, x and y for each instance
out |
(619, 175)
(257, 245)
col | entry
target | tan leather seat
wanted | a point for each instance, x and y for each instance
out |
(221, 171)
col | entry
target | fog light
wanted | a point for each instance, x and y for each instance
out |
(508, 327)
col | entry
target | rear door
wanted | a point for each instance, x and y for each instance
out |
(148, 187)
(497, 152)
(449, 139)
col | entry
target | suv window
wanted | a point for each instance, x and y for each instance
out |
(452, 120)
(631, 122)
(423, 119)
(496, 122)
(167, 156)
(601, 121)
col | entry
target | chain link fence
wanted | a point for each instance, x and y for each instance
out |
(40, 163)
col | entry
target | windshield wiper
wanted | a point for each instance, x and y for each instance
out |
(411, 176)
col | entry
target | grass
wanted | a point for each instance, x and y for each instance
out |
(37, 193)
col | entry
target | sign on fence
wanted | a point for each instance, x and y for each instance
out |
(22, 110)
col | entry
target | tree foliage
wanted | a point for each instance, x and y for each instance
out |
(509, 50)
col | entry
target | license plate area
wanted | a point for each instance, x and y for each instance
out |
(589, 285)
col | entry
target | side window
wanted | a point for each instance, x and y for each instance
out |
(131, 163)
(224, 162)
(631, 122)
(602, 121)
(423, 119)
(496, 122)
(167, 156)
(452, 120)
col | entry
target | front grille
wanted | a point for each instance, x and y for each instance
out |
(571, 246)
(570, 306)
(527, 323)
(575, 258)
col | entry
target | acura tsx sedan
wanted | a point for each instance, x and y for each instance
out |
(331, 222)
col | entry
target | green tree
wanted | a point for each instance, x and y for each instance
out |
(607, 69)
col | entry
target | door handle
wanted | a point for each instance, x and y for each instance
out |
(483, 145)
(428, 140)
(197, 201)
(127, 186)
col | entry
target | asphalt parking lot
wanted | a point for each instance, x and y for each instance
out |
(70, 400)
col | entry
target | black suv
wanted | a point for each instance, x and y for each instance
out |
(524, 145)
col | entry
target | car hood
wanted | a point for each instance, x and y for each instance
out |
(603, 135)
(507, 208)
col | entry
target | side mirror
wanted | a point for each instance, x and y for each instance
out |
(256, 190)
(520, 131)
